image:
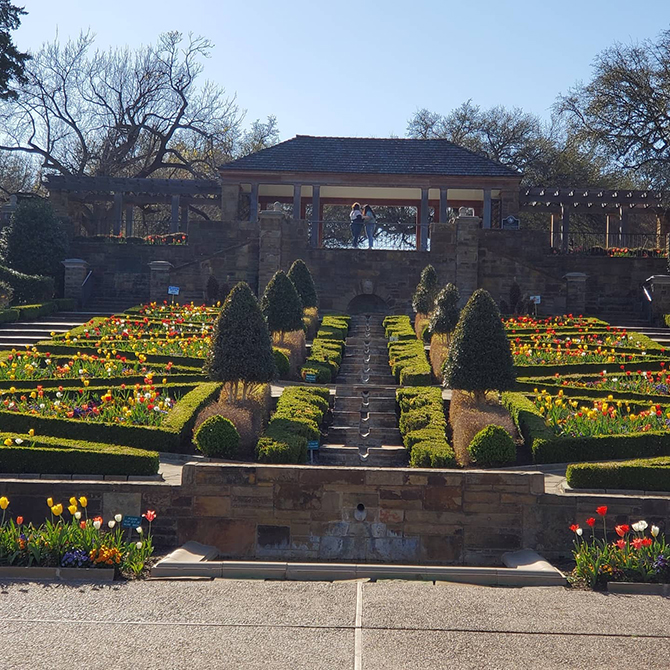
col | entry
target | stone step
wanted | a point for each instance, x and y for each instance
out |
(349, 367)
(351, 436)
(345, 456)
(364, 418)
(355, 403)
(372, 380)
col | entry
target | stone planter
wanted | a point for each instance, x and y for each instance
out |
(30, 574)
(635, 588)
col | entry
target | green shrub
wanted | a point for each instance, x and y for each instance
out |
(217, 437)
(9, 315)
(492, 446)
(432, 455)
(407, 355)
(321, 371)
(56, 455)
(445, 317)
(28, 289)
(281, 362)
(327, 349)
(66, 304)
(29, 312)
(649, 474)
(6, 295)
(282, 448)
(302, 279)
(281, 305)
(423, 299)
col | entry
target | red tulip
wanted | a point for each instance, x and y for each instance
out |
(150, 515)
(591, 522)
(621, 544)
(19, 520)
(574, 528)
(602, 510)
(622, 529)
(637, 542)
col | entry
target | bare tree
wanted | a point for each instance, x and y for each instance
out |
(121, 112)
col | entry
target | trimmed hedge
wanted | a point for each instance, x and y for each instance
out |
(492, 446)
(282, 361)
(547, 447)
(300, 412)
(174, 434)
(9, 315)
(644, 474)
(27, 312)
(327, 349)
(55, 455)
(407, 354)
(422, 426)
(28, 289)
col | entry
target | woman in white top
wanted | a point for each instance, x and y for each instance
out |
(356, 217)
(370, 224)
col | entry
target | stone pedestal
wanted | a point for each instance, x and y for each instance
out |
(159, 280)
(467, 255)
(575, 297)
(269, 251)
(658, 287)
(76, 270)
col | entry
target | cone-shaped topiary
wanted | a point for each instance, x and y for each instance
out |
(423, 299)
(445, 316)
(301, 277)
(281, 305)
(480, 358)
(241, 350)
(492, 446)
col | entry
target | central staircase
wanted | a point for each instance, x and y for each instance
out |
(364, 431)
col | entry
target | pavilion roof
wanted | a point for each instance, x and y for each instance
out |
(364, 155)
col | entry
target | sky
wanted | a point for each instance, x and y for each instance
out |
(362, 68)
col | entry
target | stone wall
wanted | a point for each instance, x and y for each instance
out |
(305, 513)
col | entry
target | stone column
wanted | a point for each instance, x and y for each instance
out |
(423, 222)
(269, 247)
(575, 297)
(230, 200)
(509, 203)
(486, 223)
(658, 286)
(316, 216)
(183, 219)
(118, 212)
(129, 220)
(467, 255)
(565, 228)
(76, 270)
(253, 203)
(159, 280)
(174, 215)
(443, 206)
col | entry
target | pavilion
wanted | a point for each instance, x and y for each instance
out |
(309, 172)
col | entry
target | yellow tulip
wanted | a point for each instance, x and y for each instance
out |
(31, 432)
(8, 442)
(57, 510)
(83, 501)
(4, 503)
(50, 502)
(73, 501)
(72, 509)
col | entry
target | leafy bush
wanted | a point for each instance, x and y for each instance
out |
(644, 474)
(28, 312)
(479, 358)
(6, 295)
(28, 289)
(423, 299)
(302, 279)
(281, 305)
(445, 317)
(9, 315)
(35, 241)
(281, 361)
(327, 349)
(492, 446)
(407, 355)
(428, 454)
(217, 437)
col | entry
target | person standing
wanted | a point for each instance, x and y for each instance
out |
(356, 217)
(370, 224)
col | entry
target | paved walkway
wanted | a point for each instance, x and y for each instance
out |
(289, 626)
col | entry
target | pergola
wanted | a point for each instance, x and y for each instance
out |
(614, 204)
(321, 171)
(128, 193)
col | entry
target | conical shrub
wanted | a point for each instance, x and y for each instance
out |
(445, 316)
(281, 305)
(423, 299)
(479, 358)
(302, 279)
(241, 350)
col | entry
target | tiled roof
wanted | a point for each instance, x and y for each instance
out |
(363, 155)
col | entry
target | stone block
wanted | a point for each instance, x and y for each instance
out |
(324, 477)
(489, 497)
(211, 506)
(395, 550)
(442, 549)
(234, 538)
(277, 473)
(384, 477)
(289, 495)
(442, 498)
(491, 540)
(254, 497)
(128, 504)
(390, 516)
(272, 537)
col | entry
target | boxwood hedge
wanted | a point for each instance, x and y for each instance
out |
(643, 474)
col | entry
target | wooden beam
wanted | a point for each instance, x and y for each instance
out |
(174, 217)
(118, 212)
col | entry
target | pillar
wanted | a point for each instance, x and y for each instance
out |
(565, 228)
(467, 255)
(422, 241)
(443, 206)
(554, 235)
(174, 215)
(297, 194)
(253, 203)
(316, 210)
(76, 270)
(118, 212)
(509, 202)
(230, 202)
(575, 297)
(486, 222)
(658, 287)
(183, 219)
(269, 246)
(624, 229)
(130, 210)
(159, 280)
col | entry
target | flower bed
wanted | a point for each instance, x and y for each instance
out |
(633, 556)
(518, 323)
(122, 328)
(188, 312)
(79, 542)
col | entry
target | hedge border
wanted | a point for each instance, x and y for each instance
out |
(642, 474)
(407, 354)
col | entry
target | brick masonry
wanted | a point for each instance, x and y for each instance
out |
(305, 513)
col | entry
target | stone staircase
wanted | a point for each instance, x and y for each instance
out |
(364, 431)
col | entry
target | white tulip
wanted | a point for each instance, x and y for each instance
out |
(655, 530)
(139, 530)
(96, 525)
(579, 532)
(139, 545)
(118, 518)
(640, 526)
(77, 515)
(111, 523)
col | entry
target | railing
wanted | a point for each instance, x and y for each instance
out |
(86, 290)
(612, 244)
(389, 236)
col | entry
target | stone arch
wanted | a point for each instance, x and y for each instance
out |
(367, 303)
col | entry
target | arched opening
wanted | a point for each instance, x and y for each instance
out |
(367, 303)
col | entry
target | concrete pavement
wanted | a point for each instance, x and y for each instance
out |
(253, 624)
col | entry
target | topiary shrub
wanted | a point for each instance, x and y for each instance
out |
(492, 446)
(28, 289)
(479, 358)
(445, 317)
(282, 362)
(302, 279)
(281, 305)
(423, 299)
(217, 437)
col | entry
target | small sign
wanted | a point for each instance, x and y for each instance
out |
(510, 223)
(394, 338)
(313, 445)
(173, 290)
(131, 521)
(535, 299)
(310, 377)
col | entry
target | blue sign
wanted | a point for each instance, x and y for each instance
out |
(310, 377)
(313, 445)
(173, 290)
(131, 521)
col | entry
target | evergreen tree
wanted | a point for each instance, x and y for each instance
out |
(445, 316)
(301, 277)
(423, 299)
(241, 349)
(281, 305)
(35, 242)
(12, 61)
(480, 358)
